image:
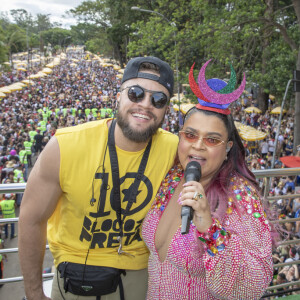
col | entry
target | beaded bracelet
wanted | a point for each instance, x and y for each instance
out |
(215, 238)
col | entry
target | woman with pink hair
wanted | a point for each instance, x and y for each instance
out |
(227, 252)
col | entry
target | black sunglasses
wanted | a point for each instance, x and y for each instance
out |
(136, 94)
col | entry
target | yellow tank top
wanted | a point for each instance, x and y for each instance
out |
(78, 223)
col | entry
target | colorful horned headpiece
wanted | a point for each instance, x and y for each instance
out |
(215, 94)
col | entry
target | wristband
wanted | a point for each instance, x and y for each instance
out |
(215, 238)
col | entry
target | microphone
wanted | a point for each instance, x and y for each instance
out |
(192, 173)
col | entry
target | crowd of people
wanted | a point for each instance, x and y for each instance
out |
(67, 97)
(259, 157)
(88, 91)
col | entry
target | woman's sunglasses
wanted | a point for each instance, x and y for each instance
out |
(136, 94)
(193, 138)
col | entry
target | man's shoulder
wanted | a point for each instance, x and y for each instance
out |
(81, 127)
(166, 135)
(165, 141)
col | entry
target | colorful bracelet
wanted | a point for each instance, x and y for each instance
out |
(215, 238)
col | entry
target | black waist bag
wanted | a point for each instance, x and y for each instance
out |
(86, 280)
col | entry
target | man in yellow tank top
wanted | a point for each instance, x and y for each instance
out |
(70, 195)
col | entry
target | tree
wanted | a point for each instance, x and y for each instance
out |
(57, 37)
(260, 37)
(22, 18)
(113, 19)
(84, 32)
(42, 23)
(3, 48)
(156, 35)
(14, 40)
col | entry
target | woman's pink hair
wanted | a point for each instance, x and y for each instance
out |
(218, 191)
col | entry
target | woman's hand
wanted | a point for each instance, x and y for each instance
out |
(193, 195)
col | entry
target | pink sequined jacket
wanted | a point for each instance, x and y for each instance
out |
(241, 270)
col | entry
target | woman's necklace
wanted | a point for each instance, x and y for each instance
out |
(167, 188)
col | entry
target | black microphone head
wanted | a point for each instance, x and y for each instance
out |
(192, 171)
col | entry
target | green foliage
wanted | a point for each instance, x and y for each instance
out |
(258, 37)
(113, 18)
(24, 33)
(3, 49)
(83, 32)
(99, 46)
(261, 40)
(14, 39)
(57, 37)
(22, 18)
(42, 23)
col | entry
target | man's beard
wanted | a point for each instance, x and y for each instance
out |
(135, 135)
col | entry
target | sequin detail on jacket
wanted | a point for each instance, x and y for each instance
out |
(242, 270)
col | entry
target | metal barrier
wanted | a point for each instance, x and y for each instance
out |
(20, 188)
(15, 188)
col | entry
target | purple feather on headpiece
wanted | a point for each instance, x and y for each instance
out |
(213, 96)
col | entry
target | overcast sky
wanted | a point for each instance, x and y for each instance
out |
(56, 8)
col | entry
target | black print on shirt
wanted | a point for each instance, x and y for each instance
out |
(103, 232)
